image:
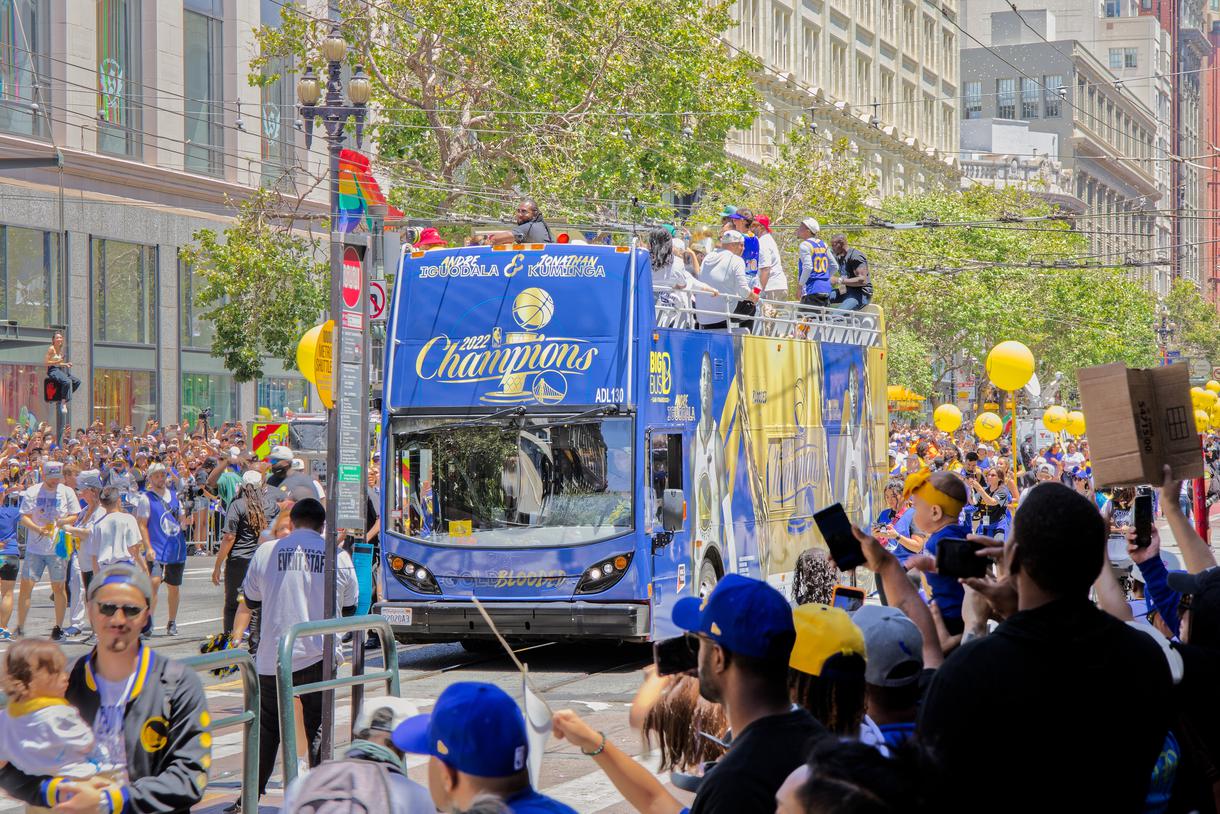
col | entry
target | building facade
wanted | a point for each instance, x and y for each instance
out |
(882, 74)
(148, 104)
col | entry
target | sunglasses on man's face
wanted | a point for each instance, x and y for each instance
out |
(109, 609)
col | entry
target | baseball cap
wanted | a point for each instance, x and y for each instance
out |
(155, 468)
(88, 481)
(763, 221)
(731, 212)
(400, 710)
(893, 646)
(252, 477)
(811, 224)
(122, 573)
(475, 728)
(822, 632)
(52, 469)
(732, 236)
(280, 453)
(742, 615)
(1046, 469)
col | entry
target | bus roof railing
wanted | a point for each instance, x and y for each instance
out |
(775, 319)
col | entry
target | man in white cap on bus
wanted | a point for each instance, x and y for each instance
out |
(816, 263)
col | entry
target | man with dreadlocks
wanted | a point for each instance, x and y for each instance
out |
(252, 511)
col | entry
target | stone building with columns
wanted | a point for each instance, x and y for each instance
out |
(138, 122)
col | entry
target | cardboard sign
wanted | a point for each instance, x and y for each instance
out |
(1138, 421)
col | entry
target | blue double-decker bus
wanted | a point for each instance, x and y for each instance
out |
(567, 447)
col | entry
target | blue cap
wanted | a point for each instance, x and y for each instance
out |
(742, 615)
(475, 728)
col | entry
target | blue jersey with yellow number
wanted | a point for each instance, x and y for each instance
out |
(818, 259)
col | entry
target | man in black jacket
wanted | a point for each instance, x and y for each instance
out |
(1048, 695)
(149, 714)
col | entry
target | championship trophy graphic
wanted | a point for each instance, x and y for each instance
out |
(533, 308)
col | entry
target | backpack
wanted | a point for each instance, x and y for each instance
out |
(349, 786)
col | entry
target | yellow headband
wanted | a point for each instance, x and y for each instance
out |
(920, 483)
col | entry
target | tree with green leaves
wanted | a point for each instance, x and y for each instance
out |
(960, 290)
(264, 285)
(581, 106)
(1196, 323)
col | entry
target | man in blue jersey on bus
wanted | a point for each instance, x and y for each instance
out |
(816, 264)
(160, 515)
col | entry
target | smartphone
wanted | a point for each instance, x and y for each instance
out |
(837, 532)
(1143, 518)
(675, 656)
(956, 558)
(848, 598)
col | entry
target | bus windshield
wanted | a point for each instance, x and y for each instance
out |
(523, 483)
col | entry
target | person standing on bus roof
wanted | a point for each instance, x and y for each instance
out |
(817, 265)
(724, 270)
(530, 228)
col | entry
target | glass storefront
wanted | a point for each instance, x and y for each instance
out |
(124, 292)
(197, 332)
(30, 277)
(21, 397)
(203, 390)
(124, 397)
(283, 395)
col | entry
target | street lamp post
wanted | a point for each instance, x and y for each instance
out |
(1164, 332)
(334, 114)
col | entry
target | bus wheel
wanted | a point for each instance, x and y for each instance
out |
(707, 578)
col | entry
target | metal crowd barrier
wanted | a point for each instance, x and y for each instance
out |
(357, 625)
(248, 717)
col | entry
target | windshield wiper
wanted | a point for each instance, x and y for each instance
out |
(605, 409)
(507, 412)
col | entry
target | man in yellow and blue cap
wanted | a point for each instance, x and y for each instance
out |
(938, 499)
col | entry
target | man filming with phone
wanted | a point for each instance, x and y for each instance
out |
(939, 498)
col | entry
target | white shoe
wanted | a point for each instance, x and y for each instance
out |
(302, 767)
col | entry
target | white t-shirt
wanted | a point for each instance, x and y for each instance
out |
(287, 577)
(1072, 460)
(114, 535)
(46, 506)
(768, 255)
(108, 724)
(726, 272)
(88, 545)
(51, 740)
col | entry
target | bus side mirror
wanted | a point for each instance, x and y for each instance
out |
(673, 509)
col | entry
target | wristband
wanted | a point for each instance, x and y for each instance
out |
(599, 749)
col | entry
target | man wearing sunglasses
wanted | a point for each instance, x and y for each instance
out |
(149, 715)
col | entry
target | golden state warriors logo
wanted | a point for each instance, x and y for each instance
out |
(529, 366)
(154, 734)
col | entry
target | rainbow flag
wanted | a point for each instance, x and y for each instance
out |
(358, 190)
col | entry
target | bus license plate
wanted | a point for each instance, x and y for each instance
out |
(397, 616)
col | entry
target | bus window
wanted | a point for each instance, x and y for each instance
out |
(664, 469)
(533, 482)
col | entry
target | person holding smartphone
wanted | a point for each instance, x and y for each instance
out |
(938, 499)
(992, 497)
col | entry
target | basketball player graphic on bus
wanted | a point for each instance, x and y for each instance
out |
(713, 525)
(855, 468)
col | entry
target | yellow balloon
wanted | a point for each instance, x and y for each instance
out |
(1207, 400)
(1055, 418)
(1010, 365)
(306, 352)
(988, 426)
(1201, 419)
(1212, 385)
(1214, 416)
(947, 417)
(1075, 423)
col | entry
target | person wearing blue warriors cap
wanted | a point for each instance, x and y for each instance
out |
(475, 737)
(744, 633)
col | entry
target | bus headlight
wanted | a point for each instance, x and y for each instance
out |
(413, 575)
(604, 574)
